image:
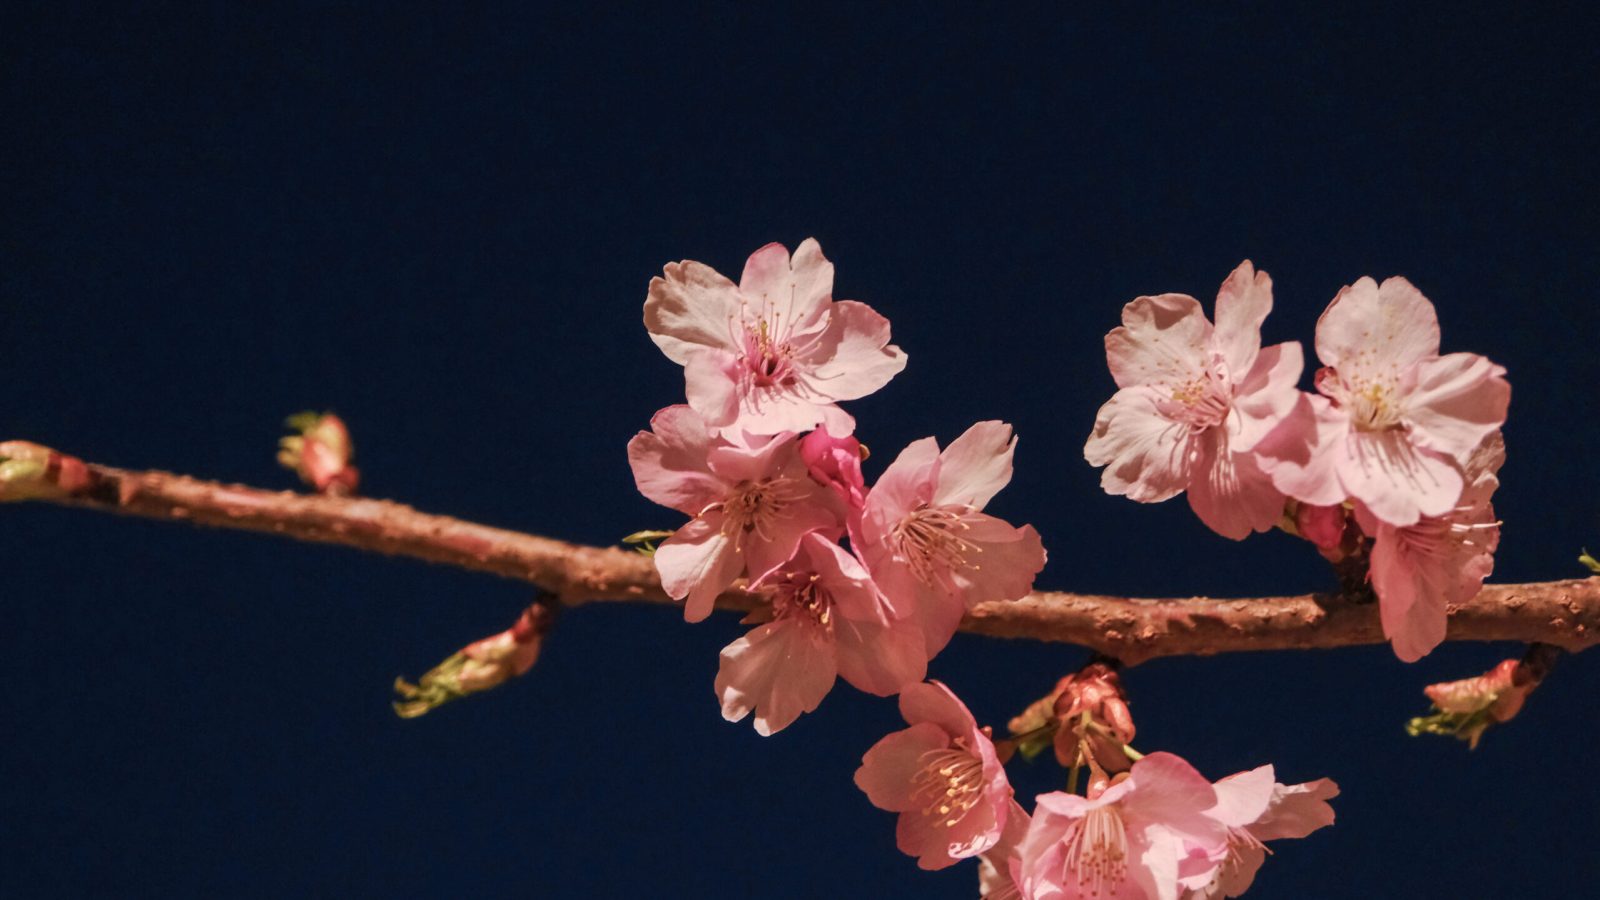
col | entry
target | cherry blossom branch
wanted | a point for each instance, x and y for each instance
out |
(1564, 613)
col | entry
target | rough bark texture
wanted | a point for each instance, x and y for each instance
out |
(1565, 614)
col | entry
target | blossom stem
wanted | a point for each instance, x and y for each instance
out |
(1564, 614)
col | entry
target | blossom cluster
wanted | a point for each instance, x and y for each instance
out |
(1158, 830)
(860, 583)
(868, 583)
(1395, 455)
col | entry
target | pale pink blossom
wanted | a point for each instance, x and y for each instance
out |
(1128, 843)
(1396, 421)
(776, 352)
(943, 778)
(828, 620)
(1193, 402)
(1255, 809)
(1420, 570)
(932, 551)
(751, 500)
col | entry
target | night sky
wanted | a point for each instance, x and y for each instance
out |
(441, 222)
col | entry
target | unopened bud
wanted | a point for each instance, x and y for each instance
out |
(29, 471)
(1321, 525)
(320, 453)
(1465, 709)
(479, 666)
(1094, 705)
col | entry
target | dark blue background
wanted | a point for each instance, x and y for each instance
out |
(441, 224)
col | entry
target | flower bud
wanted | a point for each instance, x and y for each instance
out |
(1465, 709)
(29, 471)
(320, 454)
(479, 666)
(835, 462)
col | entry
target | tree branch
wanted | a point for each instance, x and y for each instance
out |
(1562, 613)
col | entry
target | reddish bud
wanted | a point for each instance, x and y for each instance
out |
(1321, 525)
(320, 454)
(29, 471)
(1465, 709)
(479, 666)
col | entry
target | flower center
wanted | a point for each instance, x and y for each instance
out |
(1200, 403)
(753, 506)
(929, 539)
(1373, 404)
(1097, 850)
(798, 595)
(950, 782)
(766, 357)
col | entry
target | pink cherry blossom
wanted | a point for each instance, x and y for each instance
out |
(1193, 401)
(776, 352)
(1255, 808)
(751, 500)
(943, 778)
(931, 550)
(1418, 571)
(1396, 420)
(828, 620)
(1128, 843)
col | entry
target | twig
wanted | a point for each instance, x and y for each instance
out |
(1565, 614)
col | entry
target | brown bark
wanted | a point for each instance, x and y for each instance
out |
(1565, 614)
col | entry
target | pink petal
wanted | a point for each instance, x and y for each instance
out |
(939, 846)
(1370, 330)
(1168, 791)
(1229, 492)
(1145, 454)
(1162, 340)
(1244, 798)
(779, 671)
(975, 466)
(1007, 560)
(887, 771)
(1411, 601)
(669, 461)
(800, 288)
(1267, 394)
(905, 485)
(688, 308)
(853, 358)
(1397, 480)
(932, 702)
(709, 386)
(699, 562)
(1242, 305)
(1300, 453)
(1297, 810)
(1457, 401)
(880, 658)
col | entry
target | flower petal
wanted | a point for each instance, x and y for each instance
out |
(1243, 303)
(888, 770)
(699, 562)
(1146, 455)
(669, 461)
(853, 357)
(778, 671)
(1229, 492)
(1162, 340)
(976, 465)
(688, 308)
(1376, 331)
(1457, 401)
